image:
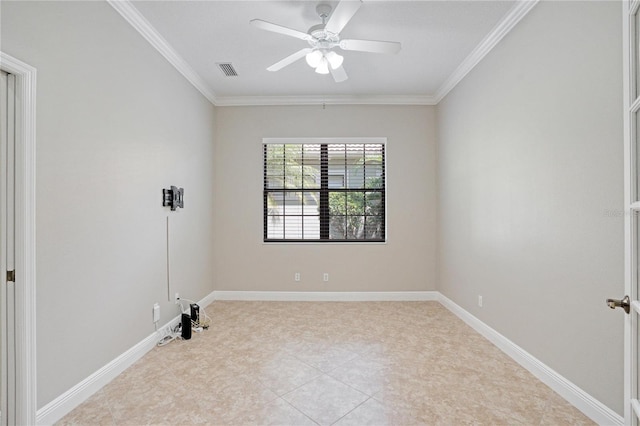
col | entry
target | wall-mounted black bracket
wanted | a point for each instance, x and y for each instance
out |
(173, 198)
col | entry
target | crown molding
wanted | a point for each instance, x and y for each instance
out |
(515, 14)
(137, 21)
(324, 100)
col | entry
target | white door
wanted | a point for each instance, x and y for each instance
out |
(631, 118)
(7, 249)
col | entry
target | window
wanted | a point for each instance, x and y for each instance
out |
(324, 191)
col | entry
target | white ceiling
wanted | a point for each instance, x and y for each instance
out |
(436, 37)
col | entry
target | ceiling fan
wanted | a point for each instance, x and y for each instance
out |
(324, 37)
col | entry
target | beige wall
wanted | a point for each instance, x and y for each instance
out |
(405, 263)
(115, 124)
(530, 170)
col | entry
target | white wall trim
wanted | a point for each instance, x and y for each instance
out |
(320, 296)
(25, 288)
(584, 402)
(515, 14)
(629, 127)
(140, 24)
(65, 403)
(324, 100)
(207, 300)
(590, 406)
(315, 141)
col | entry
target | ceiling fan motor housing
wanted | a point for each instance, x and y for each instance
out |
(322, 39)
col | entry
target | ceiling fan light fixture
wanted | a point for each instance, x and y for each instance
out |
(323, 67)
(314, 58)
(324, 37)
(334, 59)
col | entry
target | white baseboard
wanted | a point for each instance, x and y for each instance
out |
(65, 403)
(207, 300)
(590, 406)
(584, 402)
(321, 296)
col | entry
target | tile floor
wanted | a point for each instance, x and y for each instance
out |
(308, 363)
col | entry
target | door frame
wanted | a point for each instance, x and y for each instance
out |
(25, 235)
(628, 216)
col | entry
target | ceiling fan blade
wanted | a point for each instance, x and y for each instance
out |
(289, 59)
(371, 46)
(339, 74)
(342, 14)
(264, 25)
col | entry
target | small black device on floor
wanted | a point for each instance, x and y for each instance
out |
(195, 314)
(186, 326)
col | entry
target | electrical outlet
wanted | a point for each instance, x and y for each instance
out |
(177, 299)
(325, 276)
(480, 301)
(156, 312)
(296, 276)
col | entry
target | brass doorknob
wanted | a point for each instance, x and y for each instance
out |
(625, 303)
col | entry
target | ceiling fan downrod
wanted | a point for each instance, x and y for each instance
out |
(323, 10)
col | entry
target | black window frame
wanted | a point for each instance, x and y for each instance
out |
(324, 191)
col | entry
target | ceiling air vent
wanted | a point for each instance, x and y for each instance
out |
(227, 69)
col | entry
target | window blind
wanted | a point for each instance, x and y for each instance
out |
(324, 192)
